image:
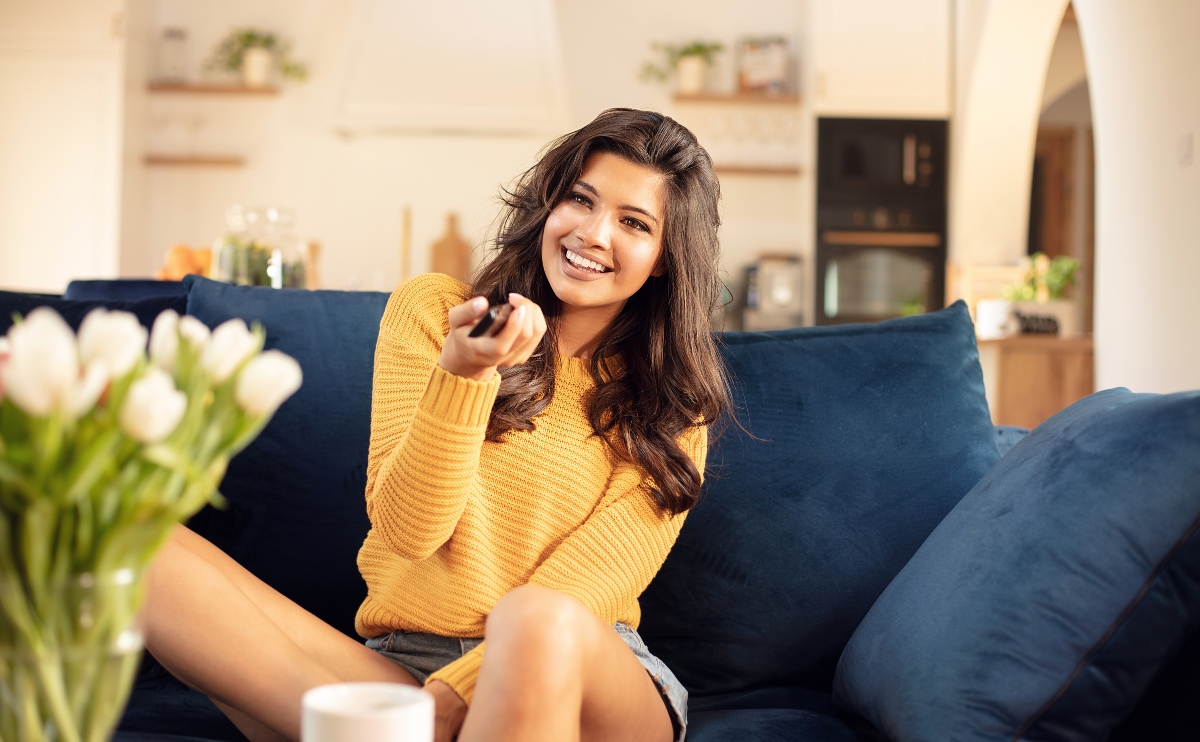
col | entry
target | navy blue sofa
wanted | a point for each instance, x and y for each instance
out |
(869, 560)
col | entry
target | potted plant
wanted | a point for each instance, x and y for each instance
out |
(689, 62)
(1042, 293)
(253, 54)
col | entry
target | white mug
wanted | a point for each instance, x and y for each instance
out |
(367, 712)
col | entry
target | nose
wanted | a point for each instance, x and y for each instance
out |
(595, 230)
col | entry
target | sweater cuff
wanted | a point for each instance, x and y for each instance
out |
(459, 401)
(461, 674)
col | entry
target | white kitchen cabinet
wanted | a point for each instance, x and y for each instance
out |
(885, 58)
(60, 141)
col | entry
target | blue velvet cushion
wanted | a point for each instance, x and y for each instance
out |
(122, 289)
(296, 515)
(1043, 605)
(859, 439)
(13, 302)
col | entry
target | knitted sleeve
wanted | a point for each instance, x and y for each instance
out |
(608, 561)
(427, 425)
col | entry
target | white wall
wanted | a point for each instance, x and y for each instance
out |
(60, 134)
(349, 192)
(1143, 60)
(996, 127)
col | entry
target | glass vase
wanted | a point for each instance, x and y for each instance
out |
(68, 654)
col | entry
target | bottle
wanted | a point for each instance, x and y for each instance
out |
(170, 64)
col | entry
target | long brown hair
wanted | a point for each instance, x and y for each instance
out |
(674, 378)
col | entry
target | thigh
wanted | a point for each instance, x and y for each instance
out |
(621, 703)
(342, 655)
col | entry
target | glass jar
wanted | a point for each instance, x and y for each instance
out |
(261, 248)
(170, 64)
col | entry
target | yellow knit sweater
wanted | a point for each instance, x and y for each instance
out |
(457, 522)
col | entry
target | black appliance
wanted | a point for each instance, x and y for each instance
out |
(881, 218)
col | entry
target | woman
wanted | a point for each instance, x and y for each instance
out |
(523, 488)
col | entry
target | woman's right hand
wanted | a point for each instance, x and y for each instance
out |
(478, 358)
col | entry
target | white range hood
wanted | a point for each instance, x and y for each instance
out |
(467, 66)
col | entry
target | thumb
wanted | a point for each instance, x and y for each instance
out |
(467, 312)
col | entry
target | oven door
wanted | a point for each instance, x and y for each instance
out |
(871, 276)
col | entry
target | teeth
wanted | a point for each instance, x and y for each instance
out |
(583, 262)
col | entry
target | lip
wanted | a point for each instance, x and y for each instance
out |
(573, 271)
(589, 257)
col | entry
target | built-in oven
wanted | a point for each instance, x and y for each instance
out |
(881, 218)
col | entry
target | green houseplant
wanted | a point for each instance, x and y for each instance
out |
(252, 53)
(103, 448)
(688, 61)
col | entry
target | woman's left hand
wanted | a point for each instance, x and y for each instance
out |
(449, 711)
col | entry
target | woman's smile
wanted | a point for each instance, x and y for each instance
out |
(579, 266)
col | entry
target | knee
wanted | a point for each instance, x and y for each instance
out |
(532, 615)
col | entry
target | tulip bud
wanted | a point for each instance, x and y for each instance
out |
(164, 339)
(83, 397)
(43, 363)
(114, 339)
(194, 331)
(266, 382)
(232, 342)
(152, 408)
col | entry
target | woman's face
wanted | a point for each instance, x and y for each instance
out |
(604, 240)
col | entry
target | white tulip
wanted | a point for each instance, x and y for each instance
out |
(194, 331)
(83, 397)
(266, 382)
(164, 339)
(42, 369)
(152, 408)
(232, 342)
(115, 339)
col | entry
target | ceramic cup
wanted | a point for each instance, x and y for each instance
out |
(367, 712)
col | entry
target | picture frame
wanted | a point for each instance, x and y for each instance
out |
(764, 65)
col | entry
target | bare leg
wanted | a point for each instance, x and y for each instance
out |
(224, 632)
(554, 672)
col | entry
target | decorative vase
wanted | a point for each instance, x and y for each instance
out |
(689, 75)
(256, 67)
(68, 654)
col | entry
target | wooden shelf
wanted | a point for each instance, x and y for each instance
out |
(739, 98)
(162, 160)
(787, 171)
(204, 88)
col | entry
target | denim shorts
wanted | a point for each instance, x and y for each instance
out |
(424, 654)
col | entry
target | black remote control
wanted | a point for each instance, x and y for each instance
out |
(492, 322)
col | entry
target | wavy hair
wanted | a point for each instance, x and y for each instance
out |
(673, 376)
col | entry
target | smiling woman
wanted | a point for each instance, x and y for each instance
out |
(523, 486)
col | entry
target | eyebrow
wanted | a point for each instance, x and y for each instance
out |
(592, 189)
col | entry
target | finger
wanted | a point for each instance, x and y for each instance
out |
(507, 337)
(528, 340)
(468, 312)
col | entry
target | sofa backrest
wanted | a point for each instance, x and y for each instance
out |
(296, 515)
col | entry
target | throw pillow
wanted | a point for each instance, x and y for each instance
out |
(1043, 605)
(14, 302)
(857, 440)
(296, 515)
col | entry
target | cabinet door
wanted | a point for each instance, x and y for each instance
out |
(60, 141)
(881, 58)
